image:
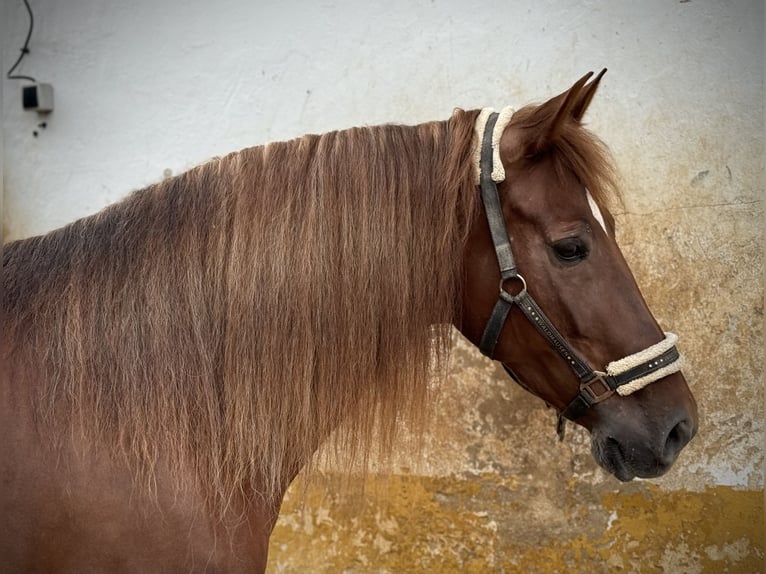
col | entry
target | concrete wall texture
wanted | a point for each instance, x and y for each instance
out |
(145, 89)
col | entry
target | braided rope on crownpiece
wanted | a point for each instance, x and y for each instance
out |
(503, 118)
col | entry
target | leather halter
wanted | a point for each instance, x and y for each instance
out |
(595, 386)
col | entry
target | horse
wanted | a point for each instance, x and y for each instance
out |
(172, 362)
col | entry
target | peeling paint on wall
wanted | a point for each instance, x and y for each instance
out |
(488, 523)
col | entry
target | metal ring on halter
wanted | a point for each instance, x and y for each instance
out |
(506, 295)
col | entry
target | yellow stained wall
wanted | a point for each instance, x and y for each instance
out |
(485, 524)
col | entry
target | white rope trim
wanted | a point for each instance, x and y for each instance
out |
(504, 117)
(653, 352)
(633, 386)
(498, 171)
(627, 363)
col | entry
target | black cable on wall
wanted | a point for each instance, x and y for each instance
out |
(24, 50)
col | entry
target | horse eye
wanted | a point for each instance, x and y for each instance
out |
(570, 250)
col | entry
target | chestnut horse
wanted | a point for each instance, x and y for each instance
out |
(172, 362)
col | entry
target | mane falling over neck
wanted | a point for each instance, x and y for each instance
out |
(233, 317)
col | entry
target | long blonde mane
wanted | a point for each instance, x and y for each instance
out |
(231, 318)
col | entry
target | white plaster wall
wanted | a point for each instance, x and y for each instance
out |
(146, 88)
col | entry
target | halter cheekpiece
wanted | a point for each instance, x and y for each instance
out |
(624, 376)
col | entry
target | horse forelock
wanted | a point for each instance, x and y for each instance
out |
(233, 317)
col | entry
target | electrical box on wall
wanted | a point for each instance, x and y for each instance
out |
(37, 97)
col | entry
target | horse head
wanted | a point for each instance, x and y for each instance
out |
(570, 324)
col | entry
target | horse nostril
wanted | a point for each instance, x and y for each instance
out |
(677, 438)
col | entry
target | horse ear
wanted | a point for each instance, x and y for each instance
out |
(586, 95)
(570, 103)
(547, 120)
(539, 130)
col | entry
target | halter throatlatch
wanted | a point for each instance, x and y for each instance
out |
(624, 376)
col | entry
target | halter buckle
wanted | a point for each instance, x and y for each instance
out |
(597, 388)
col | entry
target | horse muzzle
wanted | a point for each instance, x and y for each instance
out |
(630, 441)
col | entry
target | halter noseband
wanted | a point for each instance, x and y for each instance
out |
(623, 376)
